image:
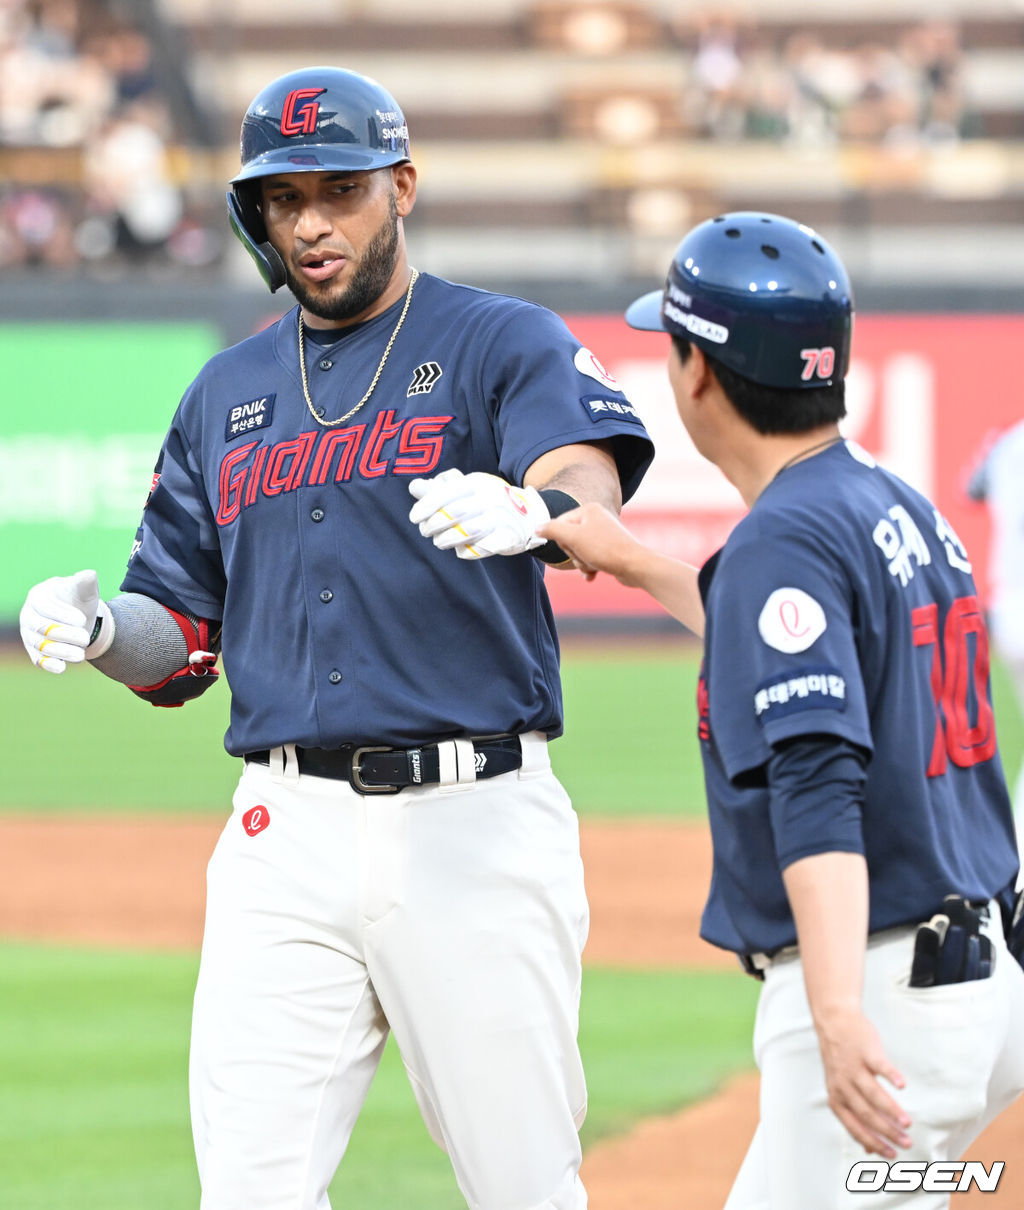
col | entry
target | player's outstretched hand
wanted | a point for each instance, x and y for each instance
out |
(855, 1063)
(478, 514)
(597, 541)
(57, 620)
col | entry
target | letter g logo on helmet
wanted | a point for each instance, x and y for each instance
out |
(303, 119)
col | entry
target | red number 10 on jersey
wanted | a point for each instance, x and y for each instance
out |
(958, 666)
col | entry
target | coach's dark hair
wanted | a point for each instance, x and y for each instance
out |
(771, 410)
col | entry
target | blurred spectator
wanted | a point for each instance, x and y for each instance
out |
(127, 57)
(36, 229)
(128, 183)
(934, 50)
(49, 93)
(809, 93)
(883, 107)
(770, 96)
(75, 78)
(718, 75)
(823, 84)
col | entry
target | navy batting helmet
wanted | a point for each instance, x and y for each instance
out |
(762, 294)
(319, 119)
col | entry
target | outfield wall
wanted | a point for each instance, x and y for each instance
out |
(87, 404)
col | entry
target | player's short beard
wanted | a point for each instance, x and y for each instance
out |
(369, 281)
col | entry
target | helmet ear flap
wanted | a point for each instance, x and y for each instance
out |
(247, 223)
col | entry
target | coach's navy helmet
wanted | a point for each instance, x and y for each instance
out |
(764, 295)
(319, 119)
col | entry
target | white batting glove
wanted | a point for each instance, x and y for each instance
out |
(58, 618)
(478, 514)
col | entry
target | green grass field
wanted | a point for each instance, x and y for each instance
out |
(84, 742)
(93, 1104)
(93, 1098)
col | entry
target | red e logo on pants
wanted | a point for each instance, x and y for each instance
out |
(255, 820)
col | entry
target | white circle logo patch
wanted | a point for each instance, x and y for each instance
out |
(791, 620)
(587, 363)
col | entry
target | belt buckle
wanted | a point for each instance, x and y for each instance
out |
(357, 783)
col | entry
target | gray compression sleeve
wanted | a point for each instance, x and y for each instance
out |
(148, 645)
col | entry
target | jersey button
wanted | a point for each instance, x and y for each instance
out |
(326, 596)
(326, 363)
(317, 514)
(319, 411)
(334, 677)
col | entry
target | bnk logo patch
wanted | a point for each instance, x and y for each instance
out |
(246, 417)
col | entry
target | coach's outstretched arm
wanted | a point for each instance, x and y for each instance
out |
(598, 541)
(480, 514)
(160, 654)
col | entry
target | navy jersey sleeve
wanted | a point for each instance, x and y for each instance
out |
(176, 558)
(816, 796)
(546, 390)
(782, 648)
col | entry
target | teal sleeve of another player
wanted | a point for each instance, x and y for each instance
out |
(816, 795)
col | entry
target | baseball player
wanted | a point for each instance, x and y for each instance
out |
(864, 859)
(344, 509)
(998, 481)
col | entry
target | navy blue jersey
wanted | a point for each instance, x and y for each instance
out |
(843, 605)
(341, 623)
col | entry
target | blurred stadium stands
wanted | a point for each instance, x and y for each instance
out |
(563, 145)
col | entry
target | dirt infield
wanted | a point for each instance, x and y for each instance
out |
(140, 882)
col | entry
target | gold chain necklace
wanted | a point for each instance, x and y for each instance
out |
(380, 368)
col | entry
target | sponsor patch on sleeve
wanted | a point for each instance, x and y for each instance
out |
(246, 417)
(805, 689)
(602, 407)
(587, 363)
(791, 620)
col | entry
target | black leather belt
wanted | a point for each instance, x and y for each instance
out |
(382, 770)
(757, 964)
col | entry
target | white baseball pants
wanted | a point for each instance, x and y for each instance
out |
(959, 1046)
(454, 916)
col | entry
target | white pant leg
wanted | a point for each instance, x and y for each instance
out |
(960, 1048)
(750, 1188)
(799, 1146)
(287, 1031)
(476, 960)
(1006, 1081)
